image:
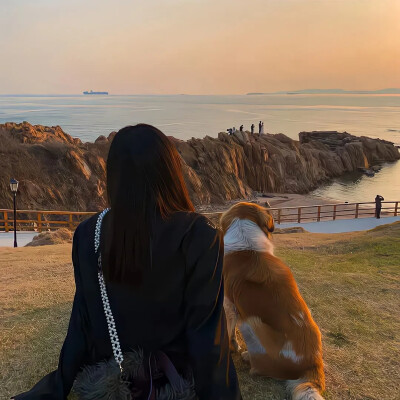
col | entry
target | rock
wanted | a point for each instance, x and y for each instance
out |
(101, 139)
(233, 166)
(62, 235)
(58, 172)
(55, 171)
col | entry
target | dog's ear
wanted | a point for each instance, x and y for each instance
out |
(270, 223)
(266, 221)
(224, 222)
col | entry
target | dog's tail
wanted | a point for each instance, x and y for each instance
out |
(302, 390)
(308, 387)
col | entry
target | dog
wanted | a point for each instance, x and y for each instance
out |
(262, 297)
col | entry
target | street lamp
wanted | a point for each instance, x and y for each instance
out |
(14, 189)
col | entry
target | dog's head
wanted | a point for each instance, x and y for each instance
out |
(250, 211)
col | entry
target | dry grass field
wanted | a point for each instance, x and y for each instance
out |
(350, 281)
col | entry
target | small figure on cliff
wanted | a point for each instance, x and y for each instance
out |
(259, 127)
(229, 131)
(241, 128)
(252, 128)
(233, 130)
(378, 205)
(262, 128)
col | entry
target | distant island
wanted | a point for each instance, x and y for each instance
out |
(91, 92)
(332, 91)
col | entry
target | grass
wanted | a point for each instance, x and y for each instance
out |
(35, 301)
(350, 281)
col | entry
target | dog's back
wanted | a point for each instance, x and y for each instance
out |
(282, 339)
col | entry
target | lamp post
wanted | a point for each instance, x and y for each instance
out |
(14, 189)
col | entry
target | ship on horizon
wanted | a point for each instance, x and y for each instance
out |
(91, 92)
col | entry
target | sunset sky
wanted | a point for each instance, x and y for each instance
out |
(197, 46)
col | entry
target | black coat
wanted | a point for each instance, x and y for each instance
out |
(378, 201)
(178, 308)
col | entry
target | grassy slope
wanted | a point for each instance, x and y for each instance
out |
(350, 281)
(351, 284)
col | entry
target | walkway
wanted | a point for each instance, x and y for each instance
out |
(338, 226)
(7, 238)
(342, 225)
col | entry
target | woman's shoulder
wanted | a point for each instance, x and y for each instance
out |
(86, 226)
(192, 225)
(196, 221)
(201, 230)
(85, 232)
(203, 222)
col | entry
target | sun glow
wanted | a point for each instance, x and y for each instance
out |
(180, 46)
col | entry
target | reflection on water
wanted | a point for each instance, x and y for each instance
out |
(357, 187)
(184, 117)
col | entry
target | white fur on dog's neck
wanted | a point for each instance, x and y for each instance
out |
(244, 234)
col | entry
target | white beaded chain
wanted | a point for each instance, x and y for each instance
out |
(119, 358)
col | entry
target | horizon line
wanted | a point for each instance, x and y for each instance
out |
(349, 91)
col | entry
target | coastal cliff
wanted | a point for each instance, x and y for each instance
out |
(59, 172)
(231, 167)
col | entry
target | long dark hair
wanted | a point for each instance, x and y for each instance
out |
(144, 177)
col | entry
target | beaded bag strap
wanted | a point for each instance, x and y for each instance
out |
(119, 358)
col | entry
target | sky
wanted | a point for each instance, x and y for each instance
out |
(197, 46)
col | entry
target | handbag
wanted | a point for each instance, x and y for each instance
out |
(134, 375)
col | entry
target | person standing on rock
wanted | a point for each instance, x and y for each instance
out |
(241, 128)
(262, 128)
(378, 205)
(259, 127)
(252, 128)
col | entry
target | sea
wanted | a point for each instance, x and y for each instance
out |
(186, 116)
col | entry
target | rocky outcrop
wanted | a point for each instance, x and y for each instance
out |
(55, 171)
(59, 172)
(230, 167)
(60, 236)
(354, 152)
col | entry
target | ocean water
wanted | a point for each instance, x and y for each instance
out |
(185, 116)
(359, 188)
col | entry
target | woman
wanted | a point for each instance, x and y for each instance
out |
(162, 265)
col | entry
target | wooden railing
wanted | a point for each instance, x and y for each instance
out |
(331, 212)
(34, 220)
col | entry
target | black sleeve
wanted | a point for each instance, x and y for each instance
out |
(57, 384)
(206, 333)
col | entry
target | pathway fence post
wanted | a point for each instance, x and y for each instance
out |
(39, 219)
(334, 212)
(6, 228)
(357, 205)
(299, 215)
(396, 206)
(319, 214)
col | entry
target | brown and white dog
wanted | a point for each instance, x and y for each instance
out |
(261, 295)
